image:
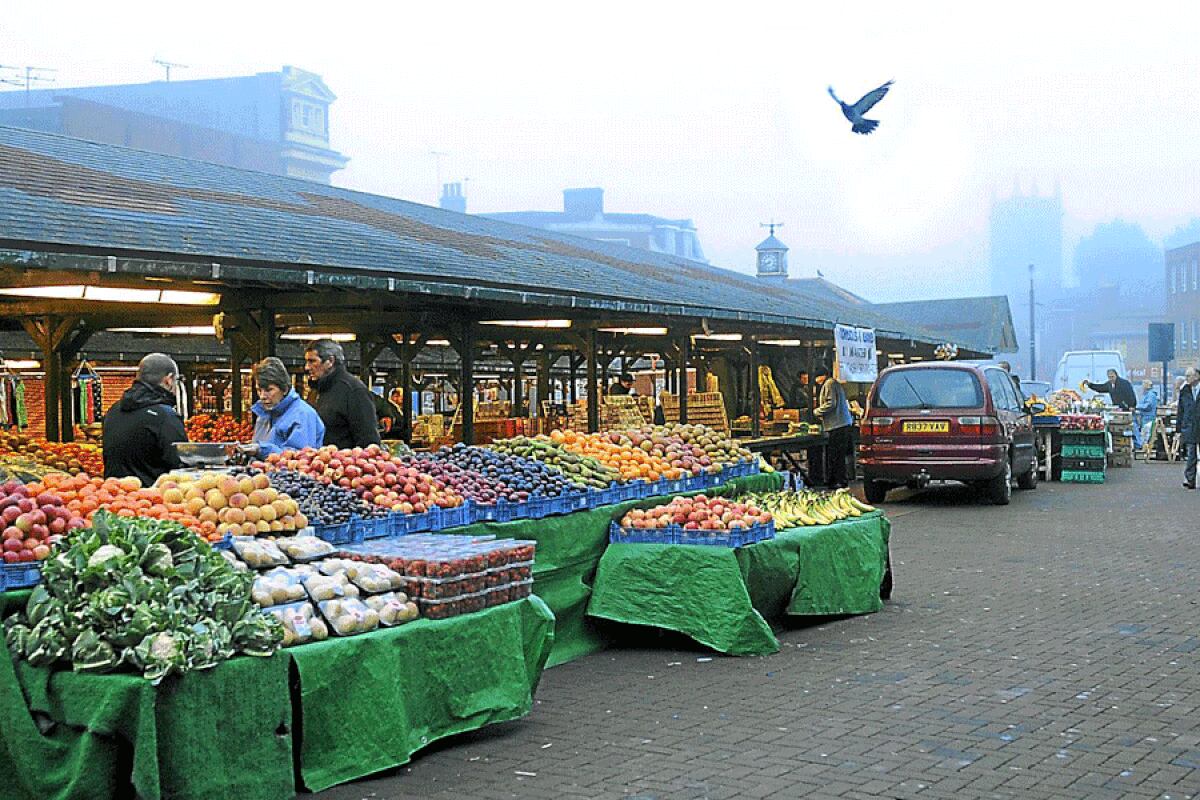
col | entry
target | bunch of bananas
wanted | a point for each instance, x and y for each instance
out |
(801, 509)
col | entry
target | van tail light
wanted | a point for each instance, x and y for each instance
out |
(878, 426)
(979, 426)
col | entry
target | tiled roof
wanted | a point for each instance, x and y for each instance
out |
(983, 323)
(59, 192)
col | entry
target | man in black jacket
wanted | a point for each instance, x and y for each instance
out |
(342, 401)
(1188, 415)
(141, 430)
(1119, 389)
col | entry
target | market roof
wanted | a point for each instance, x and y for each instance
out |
(982, 323)
(820, 287)
(63, 194)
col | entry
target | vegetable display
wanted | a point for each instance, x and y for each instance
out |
(142, 595)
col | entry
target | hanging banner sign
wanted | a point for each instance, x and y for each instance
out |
(855, 349)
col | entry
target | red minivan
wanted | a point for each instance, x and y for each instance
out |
(939, 421)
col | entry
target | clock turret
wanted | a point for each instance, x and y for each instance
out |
(772, 255)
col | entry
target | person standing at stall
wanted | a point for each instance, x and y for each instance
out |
(342, 401)
(834, 412)
(140, 430)
(1145, 412)
(1117, 388)
(282, 420)
(1189, 425)
(622, 386)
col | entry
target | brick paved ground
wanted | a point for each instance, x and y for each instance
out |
(1044, 650)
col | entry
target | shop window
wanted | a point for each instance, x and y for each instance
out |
(1195, 275)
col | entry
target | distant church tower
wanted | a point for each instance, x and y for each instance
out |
(772, 256)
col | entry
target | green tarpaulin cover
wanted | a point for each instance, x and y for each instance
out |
(369, 702)
(569, 548)
(365, 703)
(723, 597)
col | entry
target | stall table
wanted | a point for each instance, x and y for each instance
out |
(361, 704)
(788, 448)
(569, 548)
(723, 597)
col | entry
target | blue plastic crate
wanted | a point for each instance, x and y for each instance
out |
(460, 515)
(372, 527)
(576, 501)
(539, 506)
(677, 485)
(226, 543)
(20, 575)
(677, 534)
(345, 533)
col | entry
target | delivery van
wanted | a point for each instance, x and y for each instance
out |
(1076, 366)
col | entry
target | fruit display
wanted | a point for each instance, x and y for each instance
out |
(380, 479)
(349, 615)
(323, 503)
(33, 523)
(125, 497)
(698, 513)
(653, 452)
(801, 509)
(470, 485)
(218, 428)
(238, 505)
(447, 575)
(142, 595)
(1081, 422)
(394, 608)
(515, 479)
(579, 469)
(37, 455)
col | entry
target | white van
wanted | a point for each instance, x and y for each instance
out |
(1076, 366)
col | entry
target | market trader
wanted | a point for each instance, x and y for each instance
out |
(622, 386)
(1189, 425)
(1145, 412)
(140, 430)
(1118, 388)
(282, 420)
(342, 401)
(834, 412)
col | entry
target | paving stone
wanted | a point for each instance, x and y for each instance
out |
(1012, 634)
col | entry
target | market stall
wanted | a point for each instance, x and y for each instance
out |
(726, 598)
(361, 705)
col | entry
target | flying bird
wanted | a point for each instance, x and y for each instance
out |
(855, 112)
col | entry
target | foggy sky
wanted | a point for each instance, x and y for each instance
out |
(717, 115)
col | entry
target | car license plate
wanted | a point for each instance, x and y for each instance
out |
(927, 427)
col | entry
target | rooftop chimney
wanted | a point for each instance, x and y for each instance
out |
(583, 204)
(453, 198)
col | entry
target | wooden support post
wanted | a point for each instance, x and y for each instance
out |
(518, 383)
(236, 406)
(593, 389)
(466, 391)
(685, 352)
(543, 382)
(266, 333)
(702, 374)
(572, 379)
(406, 415)
(59, 339)
(755, 394)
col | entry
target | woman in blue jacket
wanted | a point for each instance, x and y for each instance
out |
(283, 421)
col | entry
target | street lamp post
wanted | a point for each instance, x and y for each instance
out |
(1032, 331)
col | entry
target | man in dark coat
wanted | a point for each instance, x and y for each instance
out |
(1119, 389)
(1188, 414)
(141, 430)
(342, 401)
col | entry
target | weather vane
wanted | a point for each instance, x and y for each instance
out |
(772, 225)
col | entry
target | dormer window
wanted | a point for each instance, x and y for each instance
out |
(308, 117)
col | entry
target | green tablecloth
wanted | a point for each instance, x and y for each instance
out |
(723, 597)
(367, 703)
(569, 548)
(364, 704)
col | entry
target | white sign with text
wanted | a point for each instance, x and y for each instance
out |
(855, 348)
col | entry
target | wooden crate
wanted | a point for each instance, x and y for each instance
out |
(704, 408)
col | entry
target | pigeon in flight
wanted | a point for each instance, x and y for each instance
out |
(855, 112)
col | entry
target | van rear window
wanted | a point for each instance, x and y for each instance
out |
(929, 388)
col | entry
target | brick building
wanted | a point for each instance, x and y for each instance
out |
(1183, 301)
